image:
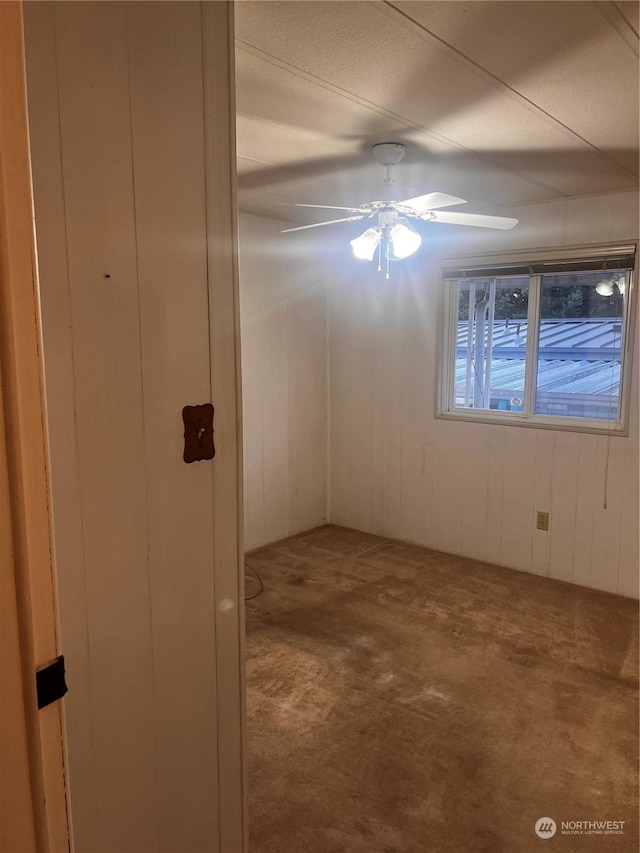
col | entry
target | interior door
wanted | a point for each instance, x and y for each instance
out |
(131, 121)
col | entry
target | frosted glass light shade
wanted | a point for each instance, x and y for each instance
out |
(404, 241)
(365, 245)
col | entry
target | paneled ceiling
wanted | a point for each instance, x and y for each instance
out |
(502, 103)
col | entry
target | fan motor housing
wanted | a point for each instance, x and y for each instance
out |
(388, 217)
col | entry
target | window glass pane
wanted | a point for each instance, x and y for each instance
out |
(491, 343)
(580, 345)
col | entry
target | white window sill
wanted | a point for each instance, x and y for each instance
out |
(588, 425)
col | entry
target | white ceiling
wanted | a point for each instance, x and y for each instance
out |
(502, 103)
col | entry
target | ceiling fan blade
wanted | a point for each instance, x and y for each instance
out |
(318, 224)
(324, 207)
(477, 219)
(432, 201)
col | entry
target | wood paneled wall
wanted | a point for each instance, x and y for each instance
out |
(284, 379)
(466, 488)
(127, 154)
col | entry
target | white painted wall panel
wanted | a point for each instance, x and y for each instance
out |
(467, 488)
(95, 131)
(166, 83)
(117, 118)
(563, 505)
(284, 378)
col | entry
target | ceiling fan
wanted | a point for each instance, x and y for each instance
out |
(389, 234)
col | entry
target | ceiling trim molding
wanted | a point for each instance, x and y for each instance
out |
(612, 13)
(510, 91)
(601, 194)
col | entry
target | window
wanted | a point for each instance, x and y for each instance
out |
(542, 342)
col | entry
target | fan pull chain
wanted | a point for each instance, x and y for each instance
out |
(387, 254)
(380, 256)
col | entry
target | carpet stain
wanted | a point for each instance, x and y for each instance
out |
(404, 701)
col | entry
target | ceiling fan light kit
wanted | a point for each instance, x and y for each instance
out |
(393, 238)
(391, 235)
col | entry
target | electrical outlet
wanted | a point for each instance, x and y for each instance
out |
(542, 520)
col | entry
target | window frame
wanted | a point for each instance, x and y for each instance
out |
(527, 417)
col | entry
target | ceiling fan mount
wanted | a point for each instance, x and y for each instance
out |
(388, 154)
(389, 233)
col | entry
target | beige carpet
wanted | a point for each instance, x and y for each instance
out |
(404, 700)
